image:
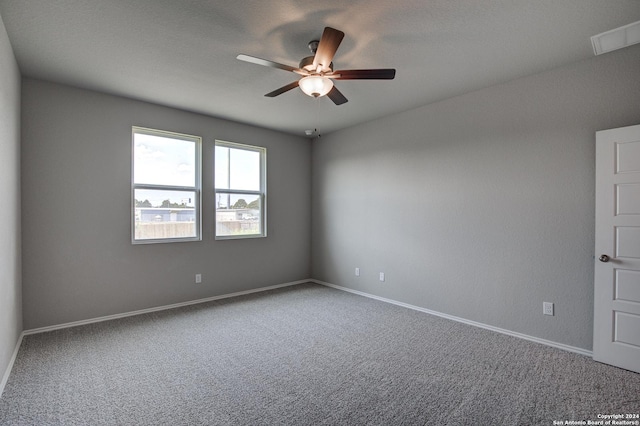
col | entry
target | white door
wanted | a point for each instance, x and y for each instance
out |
(616, 320)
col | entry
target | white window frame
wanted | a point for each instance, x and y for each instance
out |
(262, 192)
(196, 189)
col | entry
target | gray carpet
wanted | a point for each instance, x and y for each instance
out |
(303, 355)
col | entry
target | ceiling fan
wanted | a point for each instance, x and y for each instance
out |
(317, 70)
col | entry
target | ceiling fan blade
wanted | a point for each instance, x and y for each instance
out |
(266, 63)
(283, 89)
(376, 74)
(336, 96)
(331, 39)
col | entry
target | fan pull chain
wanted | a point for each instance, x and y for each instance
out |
(317, 100)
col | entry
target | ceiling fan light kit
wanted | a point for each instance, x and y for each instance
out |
(317, 70)
(315, 85)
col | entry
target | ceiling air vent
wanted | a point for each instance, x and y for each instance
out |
(616, 39)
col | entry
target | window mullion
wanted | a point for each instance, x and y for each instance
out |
(237, 191)
(164, 187)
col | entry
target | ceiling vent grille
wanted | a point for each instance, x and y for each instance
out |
(616, 39)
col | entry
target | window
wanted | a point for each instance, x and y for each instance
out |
(240, 175)
(165, 187)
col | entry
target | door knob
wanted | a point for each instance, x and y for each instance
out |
(604, 258)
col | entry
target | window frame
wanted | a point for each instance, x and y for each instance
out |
(196, 189)
(261, 193)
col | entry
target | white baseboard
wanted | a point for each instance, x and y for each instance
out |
(5, 377)
(159, 308)
(562, 346)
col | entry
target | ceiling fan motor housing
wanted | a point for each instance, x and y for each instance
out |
(307, 64)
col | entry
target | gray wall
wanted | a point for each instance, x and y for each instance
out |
(480, 206)
(10, 276)
(78, 260)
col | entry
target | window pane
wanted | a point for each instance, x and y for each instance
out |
(222, 167)
(237, 169)
(245, 170)
(160, 160)
(163, 214)
(238, 214)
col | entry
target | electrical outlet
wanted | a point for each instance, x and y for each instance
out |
(547, 308)
(382, 276)
(357, 272)
(198, 278)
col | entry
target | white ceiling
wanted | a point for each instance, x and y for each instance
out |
(183, 53)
